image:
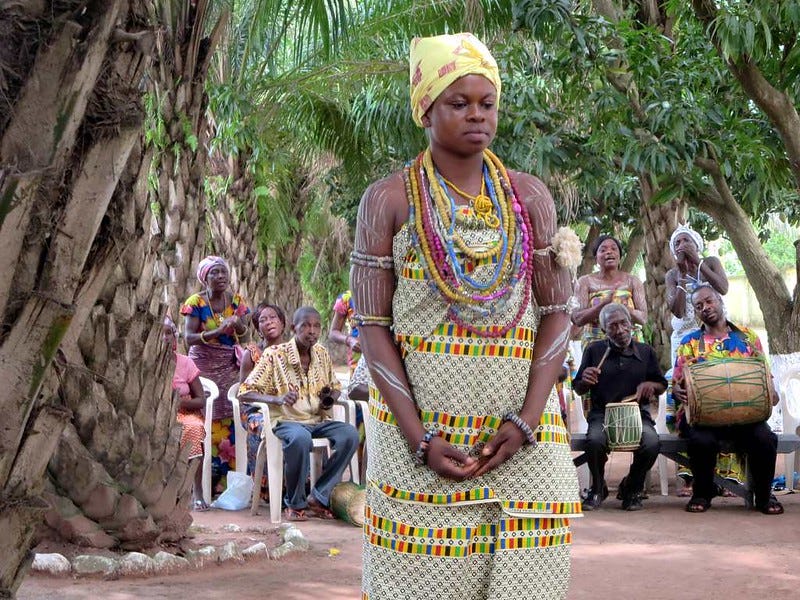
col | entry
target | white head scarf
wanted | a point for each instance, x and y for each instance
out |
(680, 230)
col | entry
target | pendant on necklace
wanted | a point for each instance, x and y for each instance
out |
(483, 207)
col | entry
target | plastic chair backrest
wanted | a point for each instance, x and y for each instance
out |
(212, 393)
(239, 432)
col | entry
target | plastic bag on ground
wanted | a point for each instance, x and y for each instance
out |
(238, 494)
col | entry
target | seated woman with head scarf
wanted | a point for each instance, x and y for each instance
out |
(609, 284)
(213, 321)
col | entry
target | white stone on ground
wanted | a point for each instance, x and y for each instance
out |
(167, 563)
(230, 552)
(136, 563)
(53, 563)
(257, 549)
(89, 564)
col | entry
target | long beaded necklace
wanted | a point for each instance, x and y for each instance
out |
(434, 236)
(219, 317)
(481, 204)
(495, 281)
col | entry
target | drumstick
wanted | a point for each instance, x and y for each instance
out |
(605, 356)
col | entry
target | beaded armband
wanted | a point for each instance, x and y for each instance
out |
(421, 454)
(568, 307)
(371, 261)
(365, 320)
(530, 435)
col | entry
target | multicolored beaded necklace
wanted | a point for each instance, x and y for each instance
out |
(434, 215)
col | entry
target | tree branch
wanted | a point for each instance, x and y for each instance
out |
(718, 202)
(777, 105)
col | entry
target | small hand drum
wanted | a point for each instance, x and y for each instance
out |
(623, 425)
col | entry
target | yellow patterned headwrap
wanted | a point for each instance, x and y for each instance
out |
(436, 62)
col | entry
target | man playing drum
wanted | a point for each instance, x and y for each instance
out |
(719, 339)
(615, 369)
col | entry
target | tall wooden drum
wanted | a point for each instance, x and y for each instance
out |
(348, 501)
(728, 391)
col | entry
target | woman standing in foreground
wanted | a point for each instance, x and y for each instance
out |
(470, 479)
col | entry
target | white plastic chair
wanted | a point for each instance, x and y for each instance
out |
(578, 424)
(356, 470)
(270, 451)
(239, 436)
(239, 432)
(661, 427)
(212, 393)
(790, 409)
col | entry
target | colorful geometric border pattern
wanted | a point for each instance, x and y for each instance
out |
(460, 542)
(413, 269)
(483, 494)
(480, 428)
(460, 342)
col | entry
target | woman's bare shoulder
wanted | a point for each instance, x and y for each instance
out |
(530, 187)
(382, 212)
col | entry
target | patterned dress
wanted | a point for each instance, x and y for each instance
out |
(217, 361)
(593, 332)
(193, 433)
(253, 423)
(503, 535)
(344, 306)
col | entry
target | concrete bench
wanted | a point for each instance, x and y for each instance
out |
(675, 449)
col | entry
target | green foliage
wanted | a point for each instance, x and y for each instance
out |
(216, 187)
(588, 104)
(778, 243)
(626, 98)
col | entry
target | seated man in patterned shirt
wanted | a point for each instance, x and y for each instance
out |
(296, 379)
(719, 338)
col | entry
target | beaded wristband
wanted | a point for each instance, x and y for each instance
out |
(554, 308)
(421, 454)
(568, 307)
(364, 320)
(514, 418)
(372, 261)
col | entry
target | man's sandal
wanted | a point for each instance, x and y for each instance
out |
(771, 507)
(319, 511)
(698, 505)
(296, 514)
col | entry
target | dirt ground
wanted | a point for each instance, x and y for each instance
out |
(659, 553)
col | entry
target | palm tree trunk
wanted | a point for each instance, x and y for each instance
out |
(61, 166)
(134, 483)
(658, 223)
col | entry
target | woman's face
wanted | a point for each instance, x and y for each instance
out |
(168, 335)
(463, 119)
(217, 279)
(269, 324)
(607, 255)
(683, 242)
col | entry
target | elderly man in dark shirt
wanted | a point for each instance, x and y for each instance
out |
(628, 367)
